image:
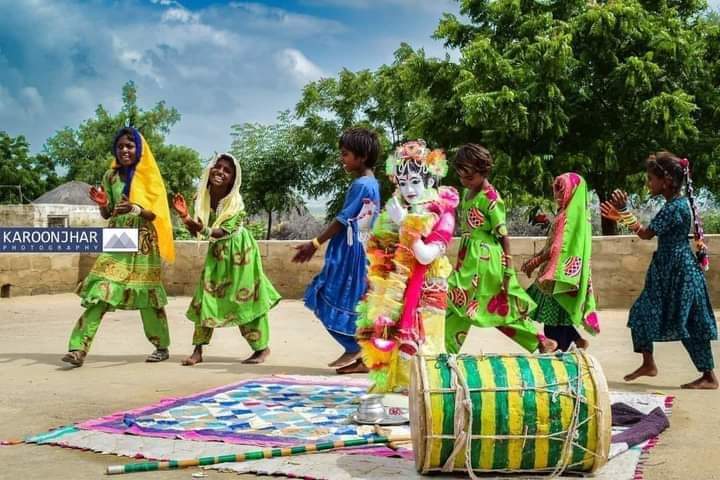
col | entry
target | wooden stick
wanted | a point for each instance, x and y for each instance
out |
(252, 455)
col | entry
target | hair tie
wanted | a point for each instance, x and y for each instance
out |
(684, 162)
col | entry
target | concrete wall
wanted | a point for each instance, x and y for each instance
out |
(619, 265)
(36, 215)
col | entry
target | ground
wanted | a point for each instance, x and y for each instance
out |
(39, 392)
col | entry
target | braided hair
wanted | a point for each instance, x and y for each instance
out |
(668, 165)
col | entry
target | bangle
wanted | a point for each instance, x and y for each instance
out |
(629, 220)
(316, 243)
(135, 210)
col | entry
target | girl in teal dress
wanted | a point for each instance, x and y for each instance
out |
(233, 290)
(674, 305)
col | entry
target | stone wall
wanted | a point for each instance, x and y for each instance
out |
(619, 266)
(36, 215)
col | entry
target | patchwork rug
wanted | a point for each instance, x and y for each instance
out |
(286, 411)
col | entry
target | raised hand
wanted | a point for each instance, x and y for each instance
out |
(124, 206)
(395, 211)
(99, 196)
(608, 210)
(180, 206)
(619, 199)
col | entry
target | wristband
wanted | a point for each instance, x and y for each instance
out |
(135, 210)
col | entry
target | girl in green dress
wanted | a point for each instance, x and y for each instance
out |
(233, 290)
(132, 195)
(484, 290)
(563, 290)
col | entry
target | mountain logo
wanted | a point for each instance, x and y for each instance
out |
(120, 239)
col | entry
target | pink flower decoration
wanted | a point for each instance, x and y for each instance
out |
(684, 163)
(383, 345)
(491, 194)
(592, 321)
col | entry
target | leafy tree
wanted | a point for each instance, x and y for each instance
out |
(273, 171)
(86, 150)
(549, 86)
(593, 87)
(33, 174)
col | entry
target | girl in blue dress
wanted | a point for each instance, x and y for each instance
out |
(334, 293)
(674, 305)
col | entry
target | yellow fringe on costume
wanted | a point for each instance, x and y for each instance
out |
(148, 191)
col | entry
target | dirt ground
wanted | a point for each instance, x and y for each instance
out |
(38, 392)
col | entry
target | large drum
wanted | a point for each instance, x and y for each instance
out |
(509, 413)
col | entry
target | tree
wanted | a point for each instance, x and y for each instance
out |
(86, 150)
(273, 171)
(587, 86)
(548, 86)
(33, 174)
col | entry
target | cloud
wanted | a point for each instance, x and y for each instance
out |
(219, 65)
(297, 64)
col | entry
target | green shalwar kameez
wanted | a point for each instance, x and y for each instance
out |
(475, 287)
(233, 289)
(126, 281)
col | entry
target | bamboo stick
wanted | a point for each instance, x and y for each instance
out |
(252, 455)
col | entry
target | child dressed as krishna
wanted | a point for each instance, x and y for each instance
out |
(403, 312)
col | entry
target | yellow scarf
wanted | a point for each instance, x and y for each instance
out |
(229, 206)
(147, 189)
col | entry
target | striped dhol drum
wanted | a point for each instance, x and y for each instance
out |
(541, 414)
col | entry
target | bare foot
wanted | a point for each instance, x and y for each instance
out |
(708, 381)
(547, 345)
(344, 359)
(642, 371)
(582, 343)
(257, 357)
(356, 367)
(195, 358)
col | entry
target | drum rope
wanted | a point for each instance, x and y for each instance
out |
(464, 420)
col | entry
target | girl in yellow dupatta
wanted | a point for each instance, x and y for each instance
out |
(233, 290)
(132, 195)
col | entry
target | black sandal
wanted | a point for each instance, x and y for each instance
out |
(159, 355)
(75, 358)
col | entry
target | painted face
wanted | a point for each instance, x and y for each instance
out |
(412, 187)
(125, 151)
(222, 174)
(655, 184)
(350, 161)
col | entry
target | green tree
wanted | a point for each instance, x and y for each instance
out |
(22, 173)
(593, 87)
(273, 173)
(86, 150)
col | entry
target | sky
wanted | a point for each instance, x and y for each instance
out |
(219, 63)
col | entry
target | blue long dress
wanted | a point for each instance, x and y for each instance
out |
(674, 305)
(335, 292)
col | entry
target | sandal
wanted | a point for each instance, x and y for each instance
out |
(158, 355)
(75, 358)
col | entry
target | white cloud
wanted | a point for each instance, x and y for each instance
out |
(219, 65)
(32, 101)
(180, 14)
(423, 5)
(298, 65)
